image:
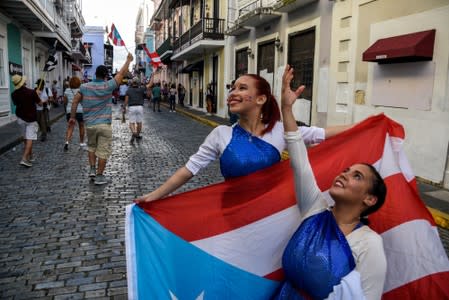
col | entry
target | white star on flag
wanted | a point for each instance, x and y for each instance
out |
(200, 296)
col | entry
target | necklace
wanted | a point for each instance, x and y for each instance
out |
(344, 224)
(249, 134)
(347, 224)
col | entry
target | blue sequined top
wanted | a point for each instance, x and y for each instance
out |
(246, 154)
(316, 258)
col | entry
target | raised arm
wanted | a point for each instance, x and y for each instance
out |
(124, 69)
(308, 195)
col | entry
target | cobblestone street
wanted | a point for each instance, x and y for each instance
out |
(62, 237)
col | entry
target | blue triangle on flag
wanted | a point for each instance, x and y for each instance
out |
(169, 267)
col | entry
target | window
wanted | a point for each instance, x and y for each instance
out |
(265, 58)
(301, 52)
(241, 62)
(2, 62)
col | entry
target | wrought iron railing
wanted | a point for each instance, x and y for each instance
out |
(165, 46)
(206, 28)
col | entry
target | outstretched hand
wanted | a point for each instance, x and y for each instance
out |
(289, 96)
(145, 198)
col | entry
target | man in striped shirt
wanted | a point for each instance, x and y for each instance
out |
(97, 108)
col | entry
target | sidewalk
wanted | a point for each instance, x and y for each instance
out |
(435, 198)
(10, 133)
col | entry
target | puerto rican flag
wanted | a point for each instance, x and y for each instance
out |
(154, 57)
(115, 36)
(225, 241)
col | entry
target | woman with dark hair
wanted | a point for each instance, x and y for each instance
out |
(333, 254)
(255, 142)
(69, 94)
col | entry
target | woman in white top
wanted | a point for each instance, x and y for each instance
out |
(333, 254)
(69, 94)
(253, 143)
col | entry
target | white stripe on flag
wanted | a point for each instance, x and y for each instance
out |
(131, 269)
(257, 247)
(413, 260)
(262, 239)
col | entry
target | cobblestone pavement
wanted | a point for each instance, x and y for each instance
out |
(62, 237)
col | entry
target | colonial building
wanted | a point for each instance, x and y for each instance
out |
(144, 36)
(28, 30)
(356, 57)
(189, 37)
(101, 53)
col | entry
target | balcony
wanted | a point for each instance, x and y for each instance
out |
(165, 50)
(206, 35)
(287, 6)
(79, 52)
(139, 34)
(256, 13)
(74, 18)
(252, 14)
(44, 18)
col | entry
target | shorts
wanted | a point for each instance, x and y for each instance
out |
(78, 117)
(135, 114)
(29, 129)
(99, 140)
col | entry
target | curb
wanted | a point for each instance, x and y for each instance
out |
(441, 218)
(19, 140)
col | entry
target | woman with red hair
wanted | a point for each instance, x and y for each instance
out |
(69, 94)
(255, 142)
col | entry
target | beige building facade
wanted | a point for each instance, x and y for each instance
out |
(324, 41)
(413, 93)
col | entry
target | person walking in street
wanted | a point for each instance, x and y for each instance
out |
(181, 94)
(69, 94)
(43, 117)
(96, 97)
(25, 100)
(254, 143)
(122, 90)
(164, 91)
(156, 95)
(134, 100)
(209, 99)
(172, 97)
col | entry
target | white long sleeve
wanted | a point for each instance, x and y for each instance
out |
(308, 195)
(366, 245)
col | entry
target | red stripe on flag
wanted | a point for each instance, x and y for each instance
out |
(402, 204)
(362, 143)
(434, 286)
(222, 207)
(277, 275)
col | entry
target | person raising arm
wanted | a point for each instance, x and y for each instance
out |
(333, 254)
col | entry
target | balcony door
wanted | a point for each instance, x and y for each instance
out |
(265, 61)
(214, 83)
(241, 62)
(301, 54)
